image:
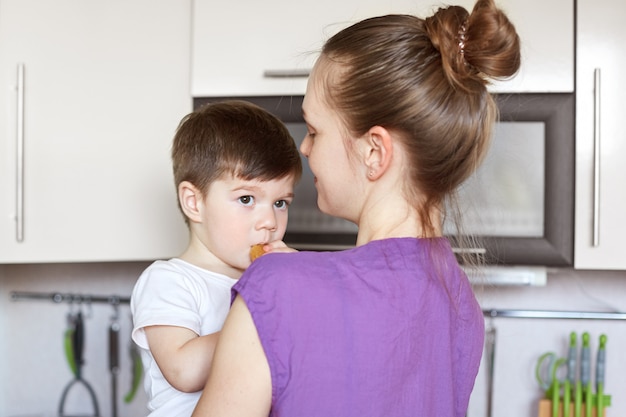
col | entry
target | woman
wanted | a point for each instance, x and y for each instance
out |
(398, 116)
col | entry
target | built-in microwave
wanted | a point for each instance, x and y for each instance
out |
(520, 203)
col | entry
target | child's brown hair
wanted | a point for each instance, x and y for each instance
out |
(233, 137)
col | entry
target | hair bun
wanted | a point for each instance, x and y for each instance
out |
(475, 47)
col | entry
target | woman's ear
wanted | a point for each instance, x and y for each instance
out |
(379, 152)
(190, 199)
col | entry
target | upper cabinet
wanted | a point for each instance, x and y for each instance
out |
(600, 137)
(92, 94)
(252, 48)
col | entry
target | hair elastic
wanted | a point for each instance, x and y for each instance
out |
(462, 37)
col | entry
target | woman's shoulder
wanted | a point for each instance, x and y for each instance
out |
(290, 260)
(277, 266)
(376, 252)
(375, 249)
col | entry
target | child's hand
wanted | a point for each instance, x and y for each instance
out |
(277, 246)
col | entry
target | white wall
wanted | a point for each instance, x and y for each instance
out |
(33, 371)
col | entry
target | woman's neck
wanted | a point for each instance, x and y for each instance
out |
(392, 218)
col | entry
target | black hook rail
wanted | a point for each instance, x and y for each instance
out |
(69, 298)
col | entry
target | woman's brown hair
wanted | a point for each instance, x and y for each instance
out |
(425, 79)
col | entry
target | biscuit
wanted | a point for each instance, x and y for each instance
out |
(256, 251)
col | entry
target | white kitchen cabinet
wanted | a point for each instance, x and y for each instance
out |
(105, 84)
(252, 48)
(600, 137)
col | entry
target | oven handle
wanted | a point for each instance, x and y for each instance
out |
(596, 158)
(470, 251)
(19, 186)
(290, 73)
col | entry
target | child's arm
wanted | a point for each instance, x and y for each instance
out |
(183, 357)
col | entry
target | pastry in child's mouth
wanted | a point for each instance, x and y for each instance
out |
(256, 251)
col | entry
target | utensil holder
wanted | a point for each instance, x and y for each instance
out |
(545, 410)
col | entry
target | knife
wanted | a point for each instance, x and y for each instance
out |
(569, 379)
(578, 391)
(600, 365)
(585, 374)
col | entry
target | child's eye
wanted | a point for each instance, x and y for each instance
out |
(311, 135)
(281, 204)
(246, 200)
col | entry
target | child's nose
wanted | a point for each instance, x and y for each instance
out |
(268, 220)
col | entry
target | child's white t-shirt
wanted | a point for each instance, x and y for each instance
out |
(176, 293)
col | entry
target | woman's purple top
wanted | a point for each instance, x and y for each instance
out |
(391, 328)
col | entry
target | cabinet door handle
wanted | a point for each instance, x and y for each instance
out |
(293, 73)
(19, 186)
(596, 157)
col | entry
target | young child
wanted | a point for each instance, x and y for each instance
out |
(235, 168)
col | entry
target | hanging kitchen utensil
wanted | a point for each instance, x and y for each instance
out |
(77, 345)
(137, 372)
(114, 363)
(68, 340)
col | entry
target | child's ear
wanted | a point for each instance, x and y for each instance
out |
(190, 199)
(379, 152)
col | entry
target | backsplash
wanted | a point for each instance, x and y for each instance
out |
(34, 370)
(519, 342)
